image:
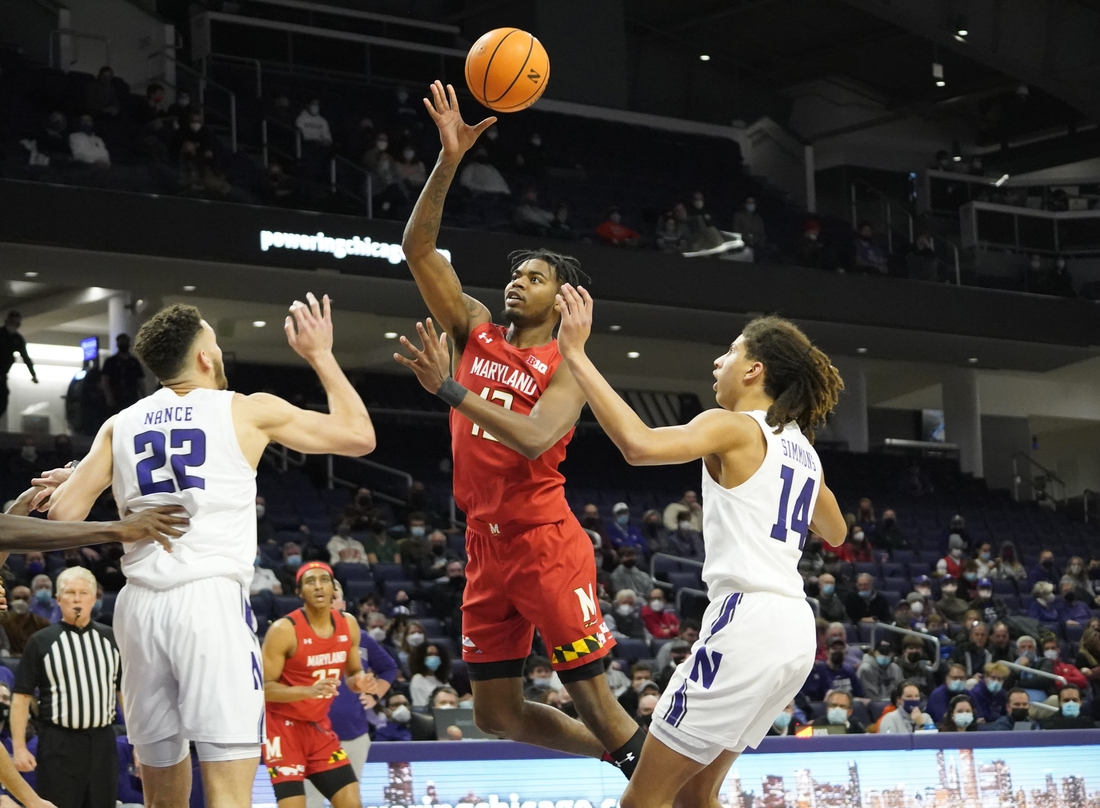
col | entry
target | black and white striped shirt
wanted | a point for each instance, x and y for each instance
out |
(75, 672)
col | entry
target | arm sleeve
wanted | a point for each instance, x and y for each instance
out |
(26, 678)
(379, 662)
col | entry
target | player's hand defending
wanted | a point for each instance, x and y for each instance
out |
(42, 489)
(575, 306)
(309, 327)
(455, 135)
(432, 363)
(161, 524)
(324, 689)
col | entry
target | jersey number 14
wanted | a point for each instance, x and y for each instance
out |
(155, 442)
(800, 515)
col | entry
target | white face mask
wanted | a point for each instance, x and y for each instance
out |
(401, 714)
(414, 639)
(657, 605)
(408, 154)
(750, 207)
(624, 609)
(916, 607)
(377, 634)
(1050, 654)
(196, 126)
(684, 526)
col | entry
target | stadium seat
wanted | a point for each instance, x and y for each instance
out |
(918, 568)
(1007, 587)
(892, 596)
(444, 642)
(867, 568)
(685, 580)
(861, 714)
(892, 569)
(431, 626)
(1074, 633)
(876, 709)
(352, 572)
(631, 650)
(354, 590)
(392, 587)
(896, 584)
(282, 606)
(388, 572)
(904, 556)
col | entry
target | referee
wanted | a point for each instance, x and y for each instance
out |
(75, 667)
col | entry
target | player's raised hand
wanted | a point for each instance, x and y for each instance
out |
(324, 689)
(161, 524)
(432, 362)
(308, 327)
(455, 135)
(42, 489)
(363, 682)
(575, 306)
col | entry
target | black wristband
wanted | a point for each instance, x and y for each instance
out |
(451, 392)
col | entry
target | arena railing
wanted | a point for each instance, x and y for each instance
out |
(203, 83)
(332, 480)
(1034, 672)
(374, 16)
(1029, 464)
(910, 633)
(55, 37)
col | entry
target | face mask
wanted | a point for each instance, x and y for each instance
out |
(417, 531)
(195, 126)
(1071, 709)
(812, 235)
(917, 607)
(377, 634)
(408, 154)
(628, 562)
(536, 140)
(697, 204)
(837, 715)
(910, 704)
(314, 109)
(1050, 654)
(401, 714)
(858, 536)
(97, 607)
(828, 589)
(624, 609)
(1046, 562)
(256, 561)
(432, 662)
(43, 595)
(381, 145)
(541, 681)
(985, 594)
(949, 591)
(414, 639)
(294, 560)
(19, 606)
(956, 685)
(783, 720)
(837, 657)
(36, 567)
(684, 526)
(971, 576)
(29, 453)
(261, 511)
(963, 720)
(623, 519)
(1070, 596)
(657, 605)
(882, 660)
(492, 134)
(750, 208)
(994, 686)
(1021, 714)
(984, 556)
(914, 657)
(865, 593)
(1074, 569)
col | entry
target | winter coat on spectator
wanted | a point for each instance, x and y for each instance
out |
(663, 625)
(823, 678)
(989, 706)
(874, 606)
(878, 680)
(638, 580)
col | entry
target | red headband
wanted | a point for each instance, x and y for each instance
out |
(313, 565)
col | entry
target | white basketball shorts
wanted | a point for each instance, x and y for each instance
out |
(191, 663)
(752, 657)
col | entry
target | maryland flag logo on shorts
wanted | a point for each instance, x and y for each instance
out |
(337, 756)
(582, 647)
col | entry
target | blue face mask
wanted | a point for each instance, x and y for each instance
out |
(827, 589)
(994, 686)
(43, 595)
(963, 720)
(971, 576)
(35, 568)
(256, 561)
(956, 685)
(417, 531)
(783, 720)
(294, 560)
(865, 594)
(432, 662)
(1071, 709)
(882, 660)
(837, 715)
(623, 519)
(910, 704)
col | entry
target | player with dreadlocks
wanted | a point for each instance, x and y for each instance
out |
(763, 490)
(513, 409)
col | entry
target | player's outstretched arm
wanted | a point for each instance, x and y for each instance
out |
(553, 415)
(13, 781)
(457, 313)
(75, 496)
(828, 522)
(346, 428)
(20, 534)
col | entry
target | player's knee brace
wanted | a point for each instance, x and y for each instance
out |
(220, 752)
(162, 754)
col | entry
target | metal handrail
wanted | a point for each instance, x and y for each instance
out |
(887, 204)
(353, 486)
(1017, 479)
(338, 11)
(204, 82)
(57, 33)
(244, 59)
(910, 633)
(1088, 497)
(280, 456)
(1034, 671)
(368, 182)
(371, 464)
(653, 567)
(263, 138)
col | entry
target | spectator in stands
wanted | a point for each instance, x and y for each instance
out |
(907, 716)
(953, 561)
(381, 546)
(689, 633)
(992, 607)
(446, 598)
(809, 251)
(830, 606)
(976, 168)
(887, 535)
(530, 218)
(1069, 714)
(959, 716)
(838, 713)
(1076, 574)
(833, 674)
(53, 140)
(622, 533)
(412, 171)
(869, 257)
(1044, 607)
(689, 502)
(984, 557)
(433, 565)
(481, 178)
(813, 556)
(1008, 567)
(86, 146)
(660, 621)
(678, 651)
(989, 695)
(748, 223)
(625, 622)
(1044, 571)
(879, 673)
(292, 560)
(672, 235)
(950, 605)
(865, 515)
(123, 377)
(430, 667)
(853, 655)
(34, 563)
(628, 575)
(785, 723)
(532, 158)
(646, 705)
(915, 666)
(178, 112)
(1088, 657)
(194, 132)
(44, 604)
(921, 263)
(865, 605)
(562, 226)
(343, 548)
(856, 548)
(1059, 281)
(686, 541)
(19, 622)
(1074, 611)
(613, 231)
(1000, 643)
(1052, 653)
(276, 186)
(102, 93)
(903, 618)
(393, 723)
(1018, 715)
(264, 579)
(954, 684)
(265, 531)
(312, 125)
(974, 654)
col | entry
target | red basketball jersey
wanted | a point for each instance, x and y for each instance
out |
(500, 490)
(316, 658)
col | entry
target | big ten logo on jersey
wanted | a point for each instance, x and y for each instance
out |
(155, 445)
(589, 610)
(537, 364)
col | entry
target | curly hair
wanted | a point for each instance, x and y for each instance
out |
(567, 269)
(165, 339)
(798, 376)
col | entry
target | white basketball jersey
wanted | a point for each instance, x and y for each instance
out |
(754, 533)
(183, 450)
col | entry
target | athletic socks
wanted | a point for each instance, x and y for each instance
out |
(626, 757)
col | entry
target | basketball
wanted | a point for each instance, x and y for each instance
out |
(507, 70)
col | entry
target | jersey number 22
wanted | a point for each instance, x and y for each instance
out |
(193, 439)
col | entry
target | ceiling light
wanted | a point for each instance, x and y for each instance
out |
(973, 360)
(1002, 180)
(861, 350)
(390, 335)
(614, 328)
(259, 323)
(961, 28)
(30, 274)
(632, 354)
(956, 151)
(941, 83)
(189, 288)
(937, 74)
(704, 57)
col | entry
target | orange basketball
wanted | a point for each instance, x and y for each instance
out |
(507, 70)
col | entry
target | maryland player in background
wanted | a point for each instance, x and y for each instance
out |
(305, 655)
(514, 407)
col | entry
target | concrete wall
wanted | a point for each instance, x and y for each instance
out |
(588, 41)
(134, 34)
(1074, 454)
(1002, 438)
(28, 23)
